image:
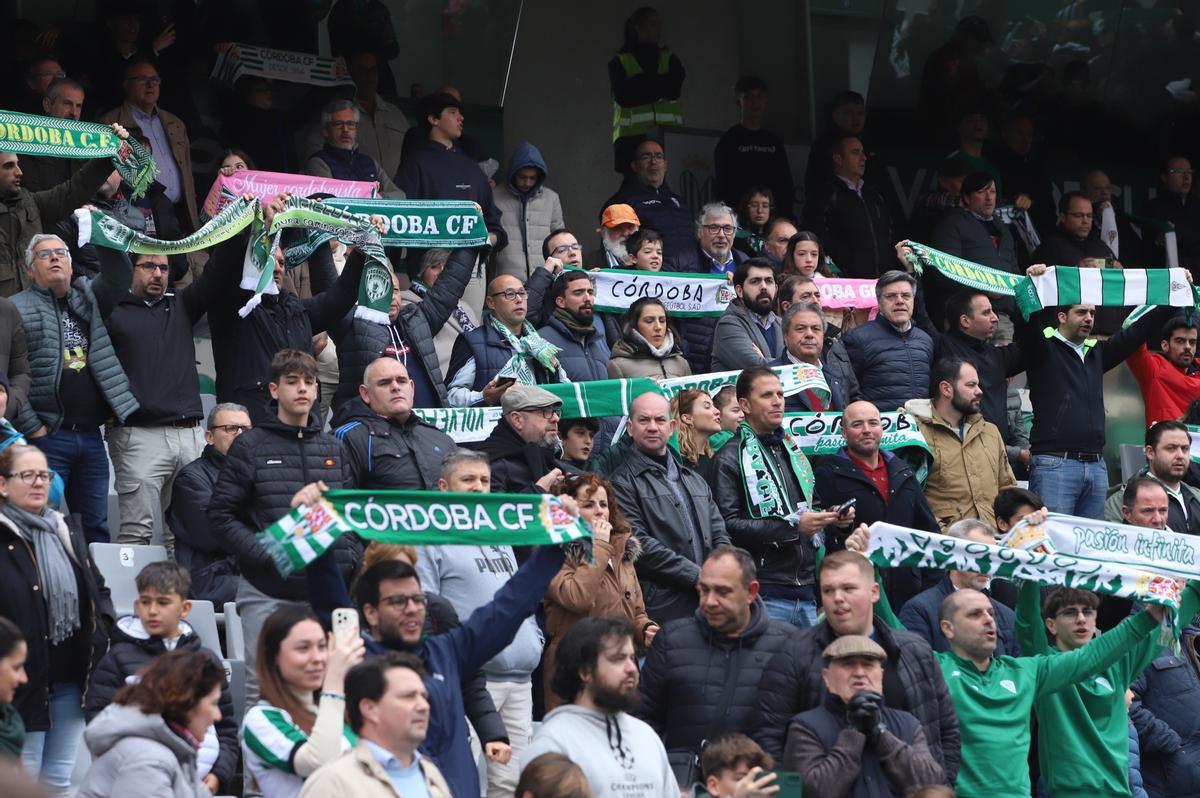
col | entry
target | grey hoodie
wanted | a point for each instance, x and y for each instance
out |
(468, 577)
(138, 754)
(621, 756)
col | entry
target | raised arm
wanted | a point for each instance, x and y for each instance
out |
(445, 294)
(1063, 670)
(1031, 631)
(112, 283)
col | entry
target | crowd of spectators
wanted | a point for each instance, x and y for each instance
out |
(720, 621)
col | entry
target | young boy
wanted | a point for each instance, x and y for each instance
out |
(733, 765)
(645, 246)
(159, 626)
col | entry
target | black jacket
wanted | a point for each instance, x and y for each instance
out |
(243, 347)
(1168, 721)
(839, 479)
(892, 366)
(855, 228)
(432, 172)
(1068, 393)
(783, 556)
(698, 683)
(1184, 214)
(262, 472)
(669, 565)
(995, 365)
(132, 649)
(383, 454)
(839, 376)
(1059, 248)
(912, 682)
(149, 337)
(661, 210)
(214, 570)
(21, 602)
(516, 465)
(360, 341)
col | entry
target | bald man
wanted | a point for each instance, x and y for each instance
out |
(480, 355)
(884, 489)
(671, 510)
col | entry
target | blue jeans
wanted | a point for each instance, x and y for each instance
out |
(1069, 486)
(801, 613)
(79, 458)
(49, 756)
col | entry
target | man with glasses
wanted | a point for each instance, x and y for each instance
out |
(1072, 242)
(468, 577)
(1174, 204)
(524, 446)
(214, 570)
(891, 356)
(712, 253)
(850, 216)
(388, 446)
(503, 351)
(645, 190)
(78, 382)
(340, 157)
(167, 133)
(151, 331)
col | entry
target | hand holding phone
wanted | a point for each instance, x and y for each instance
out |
(345, 624)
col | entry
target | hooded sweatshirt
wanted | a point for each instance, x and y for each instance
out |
(468, 577)
(620, 755)
(139, 754)
(528, 217)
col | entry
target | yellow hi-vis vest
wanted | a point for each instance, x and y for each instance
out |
(636, 120)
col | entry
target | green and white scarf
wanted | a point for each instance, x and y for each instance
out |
(765, 488)
(27, 134)
(1114, 559)
(421, 224)
(684, 295)
(820, 433)
(1071, 285)
(292, 67)
(529, 347)
(795, 378)
(419, 518)
(964, 272)
(591, 399)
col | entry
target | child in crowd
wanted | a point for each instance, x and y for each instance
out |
(733, 766)
(646, 248)
(159, 626)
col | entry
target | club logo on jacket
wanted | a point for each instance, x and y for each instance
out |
(1008, 685)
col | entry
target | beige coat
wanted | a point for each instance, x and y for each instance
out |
(181, 148)
(966, 474)
(357, 774)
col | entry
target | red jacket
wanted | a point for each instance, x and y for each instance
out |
(1166, 391)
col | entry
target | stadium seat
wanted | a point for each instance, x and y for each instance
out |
(235, 672)
(203, 619)
(119, 565)
(235, 641)
(1133, 460)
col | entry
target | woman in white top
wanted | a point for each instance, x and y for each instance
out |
(299, 723)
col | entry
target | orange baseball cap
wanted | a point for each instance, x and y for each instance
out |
(619, 214)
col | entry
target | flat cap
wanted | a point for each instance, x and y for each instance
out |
(854, 646)
(527, 397)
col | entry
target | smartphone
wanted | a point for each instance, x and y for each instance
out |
(791, 783)
(345, 623)
(842, 508)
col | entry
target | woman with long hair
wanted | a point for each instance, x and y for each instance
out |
(649, 345)
(13, 652)
(805, 255)
(145, 742)
(49, 588)
(553, 775)
(299, 722)
(696, 419)
(598, 577)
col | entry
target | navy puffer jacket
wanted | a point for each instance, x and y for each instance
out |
(892, 367)
(1166, 713)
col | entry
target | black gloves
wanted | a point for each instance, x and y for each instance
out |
(863, 713)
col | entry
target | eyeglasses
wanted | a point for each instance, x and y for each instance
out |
(1075, 612)
(713, 229)
(347, 124)
(564, 248)
(650, 157)
(147, 81)
(230, 429)
(44, 254)
(32, 477)
(59, 75)
(510, 294)
(547, 412)
(1080, 215)
(155, 267)
(416, 599)
(1188, 172)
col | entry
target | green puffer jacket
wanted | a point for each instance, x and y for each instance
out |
(90, 300)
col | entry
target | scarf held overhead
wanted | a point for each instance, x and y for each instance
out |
(684, 295)
(27, 134)
(240, 60)
(1070, 285)
(419, 518)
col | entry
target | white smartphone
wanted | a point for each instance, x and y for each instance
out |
(345, 623)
